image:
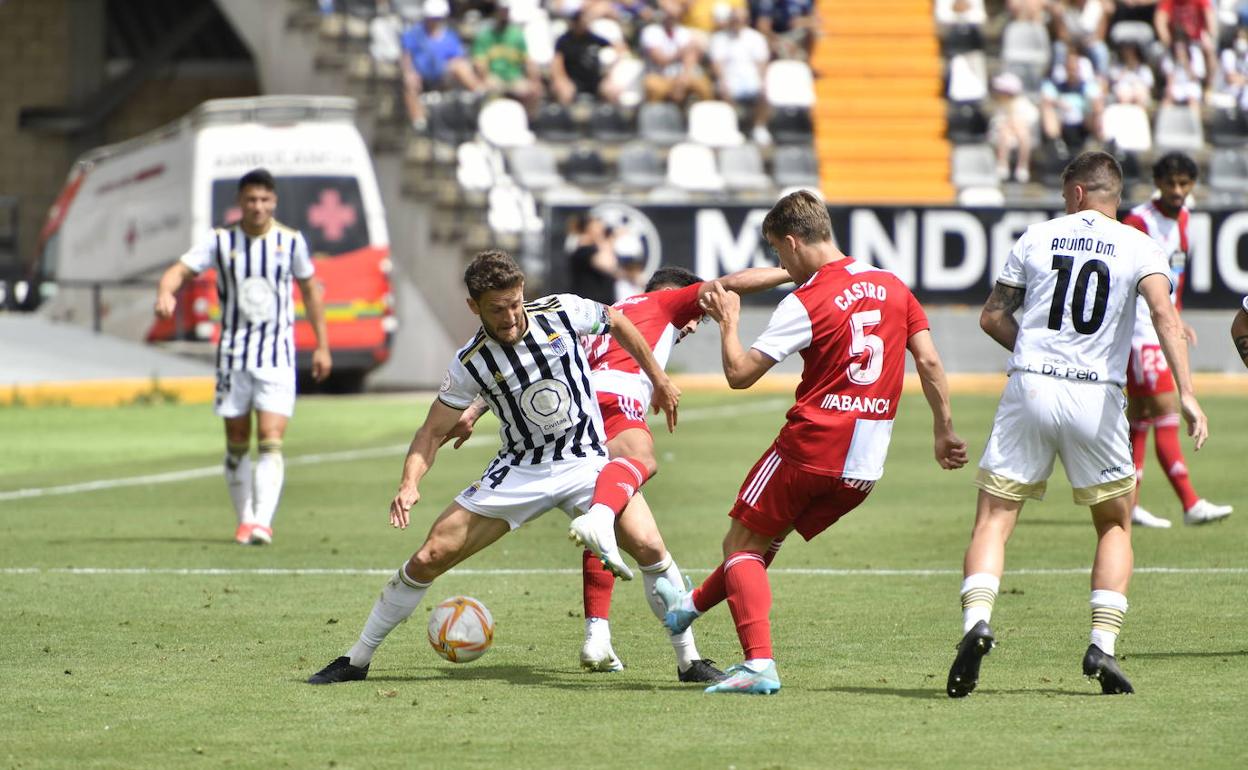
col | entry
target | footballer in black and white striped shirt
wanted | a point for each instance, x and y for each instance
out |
(526, 363)
(257, 260)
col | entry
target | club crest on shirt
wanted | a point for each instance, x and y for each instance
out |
(557, 344)
(499, 378)
(472, 490)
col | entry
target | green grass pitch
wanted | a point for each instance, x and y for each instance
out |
(135, 666)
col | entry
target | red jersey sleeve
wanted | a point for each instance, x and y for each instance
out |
(680, 305)
(1136, 222)
(916, 317)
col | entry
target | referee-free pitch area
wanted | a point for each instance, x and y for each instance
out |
(136, 634)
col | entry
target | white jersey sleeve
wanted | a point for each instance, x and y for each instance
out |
(1153, 260)
(459, 388)
(199, 258)
(787, 332)
(301, 266)
(587, 316)
(1012, 272)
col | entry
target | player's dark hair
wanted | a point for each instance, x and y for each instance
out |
(492, 271)
(258, 176)
(1098, 173)
(671, 276)
(800, 214)
(1175, 164)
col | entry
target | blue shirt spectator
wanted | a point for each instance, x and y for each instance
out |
(782, 13)
(432, 51)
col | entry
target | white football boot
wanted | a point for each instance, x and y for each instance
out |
(1204, 512)
(1142, 518)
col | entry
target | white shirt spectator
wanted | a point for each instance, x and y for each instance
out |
(964, 12)
(1129, 83)
(740, 57)
(656, 40)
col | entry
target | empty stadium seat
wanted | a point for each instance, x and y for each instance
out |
(1228, 172)
(974, 165)
(1178, 128)
(533, 167)
(512, 211)
(791, 125)
(478, 166)
(742, 168)
(982, 197)
(585, 167)
(966, 124)
(452, 117)
(609, 123)
(641, 167)
(504, 123)
(789, 83)
(1139, 32)
(661, 123)
(1126, 125)
(968, 77)
(795, 166)
(1228, 128)
(554, 123)
(691, 167)
(714, 124)
(1025, 50)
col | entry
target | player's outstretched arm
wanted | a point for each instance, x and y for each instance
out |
(1239, 334)
(314, 301)
(167, 290)
(950, 449)
(666, 395)
(420, 455)
(751, 280)
(1155, 289)
(997, 318)
(742, 367)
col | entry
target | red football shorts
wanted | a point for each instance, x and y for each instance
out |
(1148, 374)
(621, 413)
(777, 496)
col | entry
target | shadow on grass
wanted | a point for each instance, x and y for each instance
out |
(561, 679)
(1182, 654)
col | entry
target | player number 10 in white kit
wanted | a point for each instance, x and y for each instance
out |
(1064, 265)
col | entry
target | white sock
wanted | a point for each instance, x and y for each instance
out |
(270, 474)
(683, 643)
(238, 481)
(597, 628)
(979, 591)
(399, 599)
(1108, 609)
(758, 665)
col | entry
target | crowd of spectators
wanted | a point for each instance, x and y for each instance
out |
(1064, 63)
(612, 51)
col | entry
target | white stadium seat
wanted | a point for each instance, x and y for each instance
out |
(714, 124)
(790, 83)
(504, 123)
(692, 167)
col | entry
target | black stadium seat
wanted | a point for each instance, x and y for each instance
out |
(611, 124)
(1228, 128)
(791, 125)
(554, 123)
(967, 124)
(586, 168)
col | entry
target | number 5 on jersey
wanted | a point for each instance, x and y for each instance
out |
(860, 342)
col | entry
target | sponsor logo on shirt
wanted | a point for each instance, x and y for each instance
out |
(856, 404)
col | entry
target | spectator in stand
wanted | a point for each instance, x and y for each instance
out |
(699, 15)
(385, 34)
(1131, 80)
(961, 12)
(1134, 10)
(1197, 20)
(592, 263)
(502, 59)
(673, 71)
(790, 26)
(1071, 106)
(739, 56)
(1235, 70)
(434, 60)
(578, 67)
(1012, 126)
(1028, 10)
(1083, 24)
(1184, 76)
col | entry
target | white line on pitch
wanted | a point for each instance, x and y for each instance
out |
(494, 572)
(692, 415)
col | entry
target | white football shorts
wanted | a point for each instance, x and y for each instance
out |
(265, 390)
(521, 493)
(1040, 417)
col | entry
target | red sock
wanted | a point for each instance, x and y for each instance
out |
(1170, 453)
(749, 599)
(712, 590)
(618, 481)
(597, 583)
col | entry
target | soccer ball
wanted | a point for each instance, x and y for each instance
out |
(461, 629)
